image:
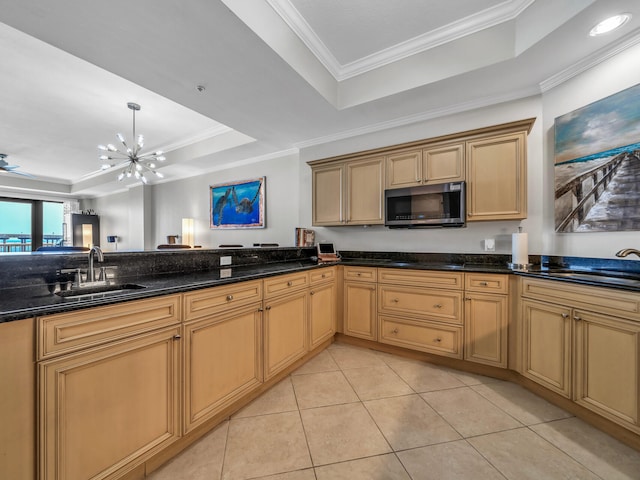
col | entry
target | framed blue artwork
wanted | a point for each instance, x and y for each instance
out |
(238, 204)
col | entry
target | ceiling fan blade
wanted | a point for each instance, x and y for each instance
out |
(12, 169)
(3, 163)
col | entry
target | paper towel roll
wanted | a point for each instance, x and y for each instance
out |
(519, 249)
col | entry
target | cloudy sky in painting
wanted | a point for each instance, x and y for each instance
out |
(608, 123)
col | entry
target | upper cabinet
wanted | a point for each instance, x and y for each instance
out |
(497, 177)
(349, 193)
(440, 163)
(349, 189)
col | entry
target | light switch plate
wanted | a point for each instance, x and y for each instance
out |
(225, 260)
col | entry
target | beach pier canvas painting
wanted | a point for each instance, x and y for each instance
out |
(238, 204)
(597, 165)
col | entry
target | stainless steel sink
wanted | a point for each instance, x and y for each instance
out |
(99, 289)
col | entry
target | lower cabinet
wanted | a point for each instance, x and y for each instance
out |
(486, 318)
(103, 408)
(607, 374)
(222, 361)
(360, 316)
(603, 340)
(322, 313)
(546, 345)
(285, 331)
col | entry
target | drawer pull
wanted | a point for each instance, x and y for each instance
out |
(437, 305)
(311, 292)
(267, 307)
(323, 275)
(483, 284)
(177, 337)
(395, 300)
(395, 330)
(229, 298)
(577, 318)
(358, 274)
(289, 283)
(437, 340)
(564, 315)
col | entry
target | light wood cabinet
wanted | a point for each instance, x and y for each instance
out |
(18, 400)
(497, 177)
(360, 315)
(439, 163)
(603, 329)
(328, 195)
(486, 318)
(421, 310)
(285, 331)
(322, 306)
(222, 360)
(607, 374)
(348, 193)
(106, 409)
(546, 345)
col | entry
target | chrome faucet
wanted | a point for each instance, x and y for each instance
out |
(628, 251)
(97, 251)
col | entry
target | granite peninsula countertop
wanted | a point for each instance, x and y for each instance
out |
(28, 301)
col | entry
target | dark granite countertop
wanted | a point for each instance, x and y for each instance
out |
(26, 301)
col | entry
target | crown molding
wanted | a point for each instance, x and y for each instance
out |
(590, 61)
(488, 18)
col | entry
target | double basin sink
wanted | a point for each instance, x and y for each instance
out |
(98, 290)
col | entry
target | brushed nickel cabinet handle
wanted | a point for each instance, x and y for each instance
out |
(437, 305)
(311, 292)
(483, 284)
(577, 318)
(395, 300)
(395, 330)
(268, 307)
(564, 315)
(289, 283)
(177, 337)
(229, 298)
(438, 340)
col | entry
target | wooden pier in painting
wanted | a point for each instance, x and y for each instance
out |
(605, 198)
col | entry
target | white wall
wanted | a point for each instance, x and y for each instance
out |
(288, 185)
(617, 73)
(189, 198)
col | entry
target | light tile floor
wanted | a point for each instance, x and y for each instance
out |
(352, 414)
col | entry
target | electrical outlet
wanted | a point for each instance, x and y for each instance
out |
(489, 245)
(225, 260)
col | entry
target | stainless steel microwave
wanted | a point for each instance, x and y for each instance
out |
(441, 205)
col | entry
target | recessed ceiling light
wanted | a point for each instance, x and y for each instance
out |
(610, 24)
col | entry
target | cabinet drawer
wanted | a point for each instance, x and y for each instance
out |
(421, 278)
(68, 332)
(420, 335)
(360, 274)
(600, 299)
(285, 283)
(434, 304)
(322, 275)
(486, 283)
(217, 299)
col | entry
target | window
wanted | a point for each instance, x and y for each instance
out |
(26, 225)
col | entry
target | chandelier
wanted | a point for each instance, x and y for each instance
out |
(134, 163)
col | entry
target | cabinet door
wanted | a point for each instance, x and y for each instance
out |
(404, 169)
(109, 408)
(328, 187)
(608, 366)
(546, 341)
(18, 400)
(285, 331)
(497, 178)
(223, 361)
(443, 163)
(365, 191)
(485, 329)
(431, 303)
(322, 313)
(360, 310)
(432, 337)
